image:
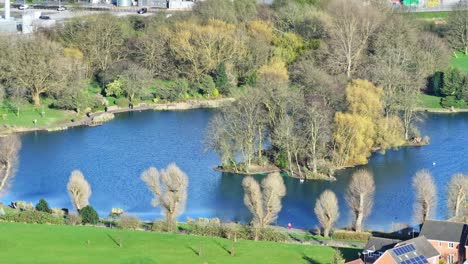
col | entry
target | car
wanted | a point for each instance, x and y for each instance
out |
(61, 8)
(23, 7)
(143, 10)
(44, 17)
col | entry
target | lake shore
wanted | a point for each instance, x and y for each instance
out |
(90, 120)
(442, 110)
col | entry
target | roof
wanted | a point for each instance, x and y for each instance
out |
(356, 261)
(445, 231)
(416, 250)
(380, 244)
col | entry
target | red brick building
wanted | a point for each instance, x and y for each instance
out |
(450, 239)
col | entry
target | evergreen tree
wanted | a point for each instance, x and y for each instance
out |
(43, 206)
(452, 83)
(89, 215)
(221, 79)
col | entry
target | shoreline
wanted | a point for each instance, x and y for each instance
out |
(88, 120)
(441, 110)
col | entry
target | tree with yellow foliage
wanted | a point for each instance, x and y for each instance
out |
(364, 126)
(201, 48)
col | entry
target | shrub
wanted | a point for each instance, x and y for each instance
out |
(349, 235)
(205, 227)
(33, 217)
(74, 219)
(173, 91)
(89, 215)
(452, 101)
(129, 222)
(23, 206)
(122, 102)
(43, 206)
(269, 234)
(205, 85)
(159, 226)
(58, 212)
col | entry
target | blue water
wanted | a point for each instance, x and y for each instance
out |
(113, 156)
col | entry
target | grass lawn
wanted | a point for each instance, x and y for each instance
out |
(28, 113)
(29, 243)
(429, 15)
(430, 101)
(460, 62)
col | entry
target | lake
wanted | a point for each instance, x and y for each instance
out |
(113, 156)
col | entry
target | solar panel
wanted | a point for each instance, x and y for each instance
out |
(404, 249)
(415, 260)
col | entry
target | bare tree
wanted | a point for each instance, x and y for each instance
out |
(78, 189)
(9, 148)
(457, 194)
(264, 203)
(360, 195)
(352, 24)
(327, 211)
(426, 195)
(169, 187)
(458, 28)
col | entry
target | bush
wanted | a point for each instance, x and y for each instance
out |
(43, 206)
(269, 234)
(159, 226)
(205, 227)
(33, 217)
(89, 215)
(58, 212)
(74, 219)
(23, 206)
(129, 222)
(350, 235)
(173, 91)
(122, 102)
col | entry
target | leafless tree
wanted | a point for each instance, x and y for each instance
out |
(457, 194)
(457, 24)
(327, 211)
(78, 189)
(360, 195)
(9, 148)
(264, 203)
(352, 23)
(169, 187)
(426, 195)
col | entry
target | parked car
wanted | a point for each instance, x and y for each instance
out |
(23, 7)
(61, 8)
(44, 17)
(143, 10)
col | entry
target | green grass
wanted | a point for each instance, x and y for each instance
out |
(429, 15)
(430, 101)
(45, 116)
(460, 62)
(27, 243)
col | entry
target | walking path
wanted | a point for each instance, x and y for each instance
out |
(88, 120)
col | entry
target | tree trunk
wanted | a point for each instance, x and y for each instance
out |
(36, 99)
(360, 214)
(314, 159)
(6, 176)
(326, 232)
(457, 206)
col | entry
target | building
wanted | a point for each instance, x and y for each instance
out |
(449, 238)
(387, 251)
(376, 247)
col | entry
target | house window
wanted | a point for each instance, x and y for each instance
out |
(450, 259)
(450, 245)
(440, 244)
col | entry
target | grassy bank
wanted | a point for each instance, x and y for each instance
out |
(25, 114)
(27, 243)
(429, 15)
(460, 61)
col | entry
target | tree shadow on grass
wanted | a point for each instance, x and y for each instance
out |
(194, 250)
(309, 259)
(222, 246)
(113, 240)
